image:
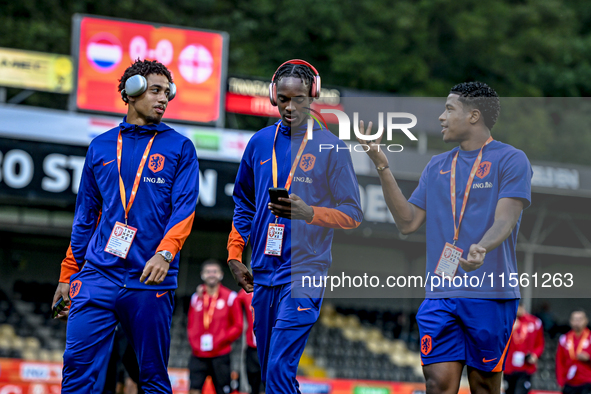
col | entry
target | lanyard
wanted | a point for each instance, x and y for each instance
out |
(294, 165)
(452, 182)
(208, 316)
(136, 183)
(571, 341)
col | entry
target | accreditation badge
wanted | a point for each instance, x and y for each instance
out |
(274, 239)
(518, 359)
(120, 240)
(572, 371)
(206, 343)
(449, 260)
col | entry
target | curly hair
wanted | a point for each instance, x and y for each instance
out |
(300, 71)
(482, 97)
(142, 67)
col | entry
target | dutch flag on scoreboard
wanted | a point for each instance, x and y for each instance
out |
(104, 52)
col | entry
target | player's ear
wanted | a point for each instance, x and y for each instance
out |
(475, 116)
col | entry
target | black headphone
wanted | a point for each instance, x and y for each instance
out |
(137, 84)
(314, 89)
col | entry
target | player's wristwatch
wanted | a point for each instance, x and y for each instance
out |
(166, 255)
(380, 169)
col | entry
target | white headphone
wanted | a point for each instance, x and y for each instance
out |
(137, 84)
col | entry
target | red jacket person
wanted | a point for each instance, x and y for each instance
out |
(215, 322)
(573, 363)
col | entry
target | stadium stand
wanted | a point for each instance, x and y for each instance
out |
(383, 345)
(350, 347)
(26, 329)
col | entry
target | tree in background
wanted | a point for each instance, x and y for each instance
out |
(523, 48)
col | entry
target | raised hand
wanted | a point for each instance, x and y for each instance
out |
(375, 152)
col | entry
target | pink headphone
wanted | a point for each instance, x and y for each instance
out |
(314, 89)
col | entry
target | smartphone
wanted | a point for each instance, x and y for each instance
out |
(276, 192)
(58, 307)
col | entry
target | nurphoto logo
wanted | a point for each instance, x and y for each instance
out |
(345, 129)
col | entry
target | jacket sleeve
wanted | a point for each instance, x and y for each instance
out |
(539, 339)
(561, 358)
(86, 217)
(347, 213)
(244, 208)
(235, 319)
(241, 299)
(184, 200)
(192, 326)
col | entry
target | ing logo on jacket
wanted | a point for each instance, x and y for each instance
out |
(156, 162)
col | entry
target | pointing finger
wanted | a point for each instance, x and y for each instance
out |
(369, 126)
(379, 139)
(362, 132)
(144, 275)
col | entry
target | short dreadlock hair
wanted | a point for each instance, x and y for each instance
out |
(145, 68)
(300, 71)
(482, 97)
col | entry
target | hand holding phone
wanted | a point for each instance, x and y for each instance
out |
(296, 208)
(58, 307)
(276, 192)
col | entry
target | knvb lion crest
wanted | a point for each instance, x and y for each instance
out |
(156, 162)
(483, 169)
(75, 288)
(426, 344)
(307, 162)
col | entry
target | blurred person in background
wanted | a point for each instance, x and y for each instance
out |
(214, 323)
(527, 345)
(573, 360)
(253, 366)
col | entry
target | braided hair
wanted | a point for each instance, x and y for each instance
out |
(143, 67)
(297, 71)
(482, 97)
